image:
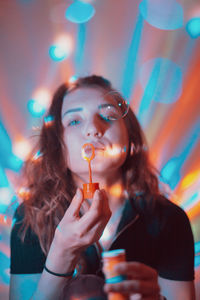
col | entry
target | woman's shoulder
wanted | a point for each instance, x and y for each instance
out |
(18, 215)
(170, 214)
(167, 207)
(160, 205)
(19, 225)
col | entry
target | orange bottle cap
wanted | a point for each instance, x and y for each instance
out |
(89, 189)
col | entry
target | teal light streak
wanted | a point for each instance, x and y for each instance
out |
(129, 74)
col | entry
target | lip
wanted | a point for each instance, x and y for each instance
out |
(98, 146)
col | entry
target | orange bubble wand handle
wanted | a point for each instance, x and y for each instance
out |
(90, 171)
(89, 188)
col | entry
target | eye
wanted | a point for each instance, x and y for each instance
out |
(108, 119)
(73, 122)
(108, 112)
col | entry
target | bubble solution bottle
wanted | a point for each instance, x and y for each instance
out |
(88, 153)
(110, 259)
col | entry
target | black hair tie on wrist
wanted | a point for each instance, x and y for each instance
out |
(69, 274)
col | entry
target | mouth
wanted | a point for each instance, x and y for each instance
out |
(98, 146)
(99, 149)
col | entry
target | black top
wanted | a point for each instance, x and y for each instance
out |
(161, 238)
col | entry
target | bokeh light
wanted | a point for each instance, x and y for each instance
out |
(37, 156)
(62, 48)
(40, 102)
(22, 148)
(35, 108)
(48, 120)
(42, 96)
(193, 27)
(72, 79)
(24, 193)
(79, 12)
(5, 195)
(162, 14)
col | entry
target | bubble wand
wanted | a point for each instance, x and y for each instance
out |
(88, 154)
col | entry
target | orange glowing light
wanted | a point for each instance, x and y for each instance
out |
(113, 151)
(194, 211)
(5, 220)
(189, 179)
(24, 193)
(116, 190)
(22, 148)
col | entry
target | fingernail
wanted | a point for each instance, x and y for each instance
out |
(98, 192)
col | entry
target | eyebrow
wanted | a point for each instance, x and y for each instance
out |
(81, 109)
(73, 110)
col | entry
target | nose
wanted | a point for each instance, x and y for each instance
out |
(94, 129)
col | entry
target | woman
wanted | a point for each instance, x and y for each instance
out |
(57, 230)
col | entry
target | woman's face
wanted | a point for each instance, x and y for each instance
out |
(83, 123)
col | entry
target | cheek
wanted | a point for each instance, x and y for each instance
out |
(120, 135)
(73, 149)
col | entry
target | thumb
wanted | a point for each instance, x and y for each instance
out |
(75, 204)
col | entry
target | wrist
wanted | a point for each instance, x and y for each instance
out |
(61, 260)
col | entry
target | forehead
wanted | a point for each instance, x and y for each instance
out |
(85, 97)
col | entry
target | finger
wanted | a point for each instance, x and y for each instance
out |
(92, 216)
(100, 205)
(97, 202)
(136, 270)
(147, 288)
(85, 206)
(95, 217)
(76, 203)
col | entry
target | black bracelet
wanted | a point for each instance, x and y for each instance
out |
(69, 274)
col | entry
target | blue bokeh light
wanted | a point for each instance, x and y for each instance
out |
(35, 108)
(57, 53)
(79, 12)
(48, 119)
(129, 76)
(162, 14)
(193, 27)
(73, 78)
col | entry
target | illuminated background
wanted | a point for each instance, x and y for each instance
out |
(150, 50)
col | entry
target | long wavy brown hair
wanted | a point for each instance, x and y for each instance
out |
(48, 180)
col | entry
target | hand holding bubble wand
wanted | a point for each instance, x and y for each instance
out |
(88, 153)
